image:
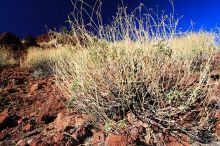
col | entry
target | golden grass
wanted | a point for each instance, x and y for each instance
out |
(124, 64)
(38, 58)
(6, 57)
(128, 68)
(109, 74)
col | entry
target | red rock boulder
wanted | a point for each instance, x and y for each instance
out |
(43, 38)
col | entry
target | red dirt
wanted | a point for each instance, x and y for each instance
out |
(28, 104)
(33, 112)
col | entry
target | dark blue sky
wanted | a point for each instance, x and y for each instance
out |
(24, 17)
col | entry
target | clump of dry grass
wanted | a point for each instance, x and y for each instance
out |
(6, 57)
(136, 65)
(43, 59)
(110, 73)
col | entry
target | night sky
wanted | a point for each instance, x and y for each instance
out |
(29, 17)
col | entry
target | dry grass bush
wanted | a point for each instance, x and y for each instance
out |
(6, 57)
(39, 59)
(138, 65)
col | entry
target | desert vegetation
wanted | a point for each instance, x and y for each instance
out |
(141, 66)
(107, 80)
(138, 71)
(6, 57)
